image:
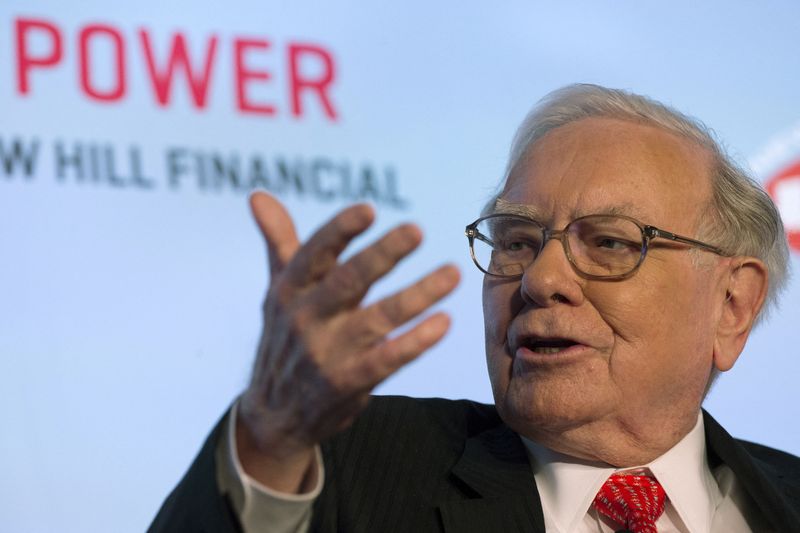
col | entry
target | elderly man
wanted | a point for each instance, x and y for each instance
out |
(626, 260)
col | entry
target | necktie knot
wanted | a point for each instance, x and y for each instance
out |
(634, 501)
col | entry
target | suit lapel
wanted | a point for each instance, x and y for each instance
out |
(769, 487)
(495, 468)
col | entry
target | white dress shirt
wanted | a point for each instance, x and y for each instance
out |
(700, 500)
(697, 501)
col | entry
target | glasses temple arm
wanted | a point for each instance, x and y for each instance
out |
(655, 232)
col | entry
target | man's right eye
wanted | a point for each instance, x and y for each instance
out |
(518, 245)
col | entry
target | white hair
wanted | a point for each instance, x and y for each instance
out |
(744, 220)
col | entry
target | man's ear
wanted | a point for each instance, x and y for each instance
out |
(747, 289)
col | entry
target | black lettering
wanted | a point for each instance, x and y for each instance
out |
(320, 169)
(110, 166)
(200, 166)
(347, 181)
(226, 171)
(291, 176)
(176, 166)
(392, 196)
(95, 160)
(19, 156)
(138, 179)
(66, 161)
(257, 177)
(367, 186)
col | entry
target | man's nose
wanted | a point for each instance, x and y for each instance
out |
(551, 279)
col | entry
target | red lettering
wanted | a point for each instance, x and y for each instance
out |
(117, 91)
(102, 67)
(319, 84)
(26, 61)
(179, 59)
(244, 75)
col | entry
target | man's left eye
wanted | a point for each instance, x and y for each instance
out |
(611, 243)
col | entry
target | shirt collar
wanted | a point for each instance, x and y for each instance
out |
(568, 485)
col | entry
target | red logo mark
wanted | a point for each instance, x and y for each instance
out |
(784, 188)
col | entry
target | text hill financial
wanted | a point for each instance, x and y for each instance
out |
(105, 164)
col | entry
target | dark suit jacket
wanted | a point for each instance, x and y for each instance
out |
(435, 465)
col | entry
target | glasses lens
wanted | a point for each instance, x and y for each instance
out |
(506, 246)
(605, 245)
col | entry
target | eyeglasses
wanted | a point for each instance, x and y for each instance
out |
(598, 246)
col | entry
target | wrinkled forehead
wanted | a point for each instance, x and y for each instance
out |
(501, 206)
(609, 166)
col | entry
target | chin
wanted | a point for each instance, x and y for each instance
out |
(538, 413)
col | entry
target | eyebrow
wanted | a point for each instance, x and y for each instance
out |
(503, 207)
(508, 208)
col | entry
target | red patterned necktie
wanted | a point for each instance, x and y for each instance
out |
(634, 501)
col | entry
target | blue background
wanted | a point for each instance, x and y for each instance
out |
(129, 318)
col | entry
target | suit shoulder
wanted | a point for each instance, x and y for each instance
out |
(464, 417)
(395, 424)
(197, 502)
(783, 464)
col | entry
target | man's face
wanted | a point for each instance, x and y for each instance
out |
(570, 358)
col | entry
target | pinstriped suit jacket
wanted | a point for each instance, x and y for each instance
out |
(410, 465)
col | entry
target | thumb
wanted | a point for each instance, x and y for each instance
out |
(277, 228)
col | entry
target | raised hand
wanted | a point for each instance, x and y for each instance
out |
(321, 351)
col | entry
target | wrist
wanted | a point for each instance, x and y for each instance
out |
(276, 461)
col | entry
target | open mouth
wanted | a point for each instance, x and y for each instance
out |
(548, 346)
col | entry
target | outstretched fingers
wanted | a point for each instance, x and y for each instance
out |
(366, 372)
(407, 346)
(381, 318)
(346, 284)
(369, 328)
(320, 253)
